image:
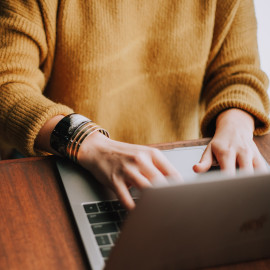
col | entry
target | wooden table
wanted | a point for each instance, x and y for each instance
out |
(37, 230)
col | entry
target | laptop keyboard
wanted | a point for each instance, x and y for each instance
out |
(106, 219)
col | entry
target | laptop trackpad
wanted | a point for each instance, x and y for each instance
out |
(184, 158)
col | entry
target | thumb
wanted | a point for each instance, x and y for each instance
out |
(206, 161)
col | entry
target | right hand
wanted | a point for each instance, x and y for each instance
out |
(120, 165)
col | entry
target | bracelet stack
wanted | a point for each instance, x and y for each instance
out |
(70, 132)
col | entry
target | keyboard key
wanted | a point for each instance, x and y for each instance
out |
(117, 205)
(214, 168)
(103, 217)
(105, 251)
(114, 237)
(104, 228)
(103, 240)
(90, 208)
(105, 206)
(119, 224)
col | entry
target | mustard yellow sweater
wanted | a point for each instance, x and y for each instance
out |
(147, 71)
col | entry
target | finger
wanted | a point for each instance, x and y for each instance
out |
(259, 163)
(136, 178)
(227, 161)
(165, 167)
(123, 195)
(205, 162)
(245, 162)
(154, 175)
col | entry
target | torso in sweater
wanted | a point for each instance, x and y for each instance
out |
(147, 71)
(134, 67)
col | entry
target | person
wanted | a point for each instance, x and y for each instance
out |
(146, 71)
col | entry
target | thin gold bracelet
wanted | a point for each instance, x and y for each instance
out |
(75, 136)
(79, 136)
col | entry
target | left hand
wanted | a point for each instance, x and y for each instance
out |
(232, 145)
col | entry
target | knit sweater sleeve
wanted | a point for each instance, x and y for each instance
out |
(25, 58)
(233, 77)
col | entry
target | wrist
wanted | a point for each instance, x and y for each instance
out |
(42, 141)
(91, 148)
(236, 118)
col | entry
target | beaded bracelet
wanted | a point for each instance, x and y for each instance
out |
(70, 132)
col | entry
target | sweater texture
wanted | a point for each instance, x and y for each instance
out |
(147, 71)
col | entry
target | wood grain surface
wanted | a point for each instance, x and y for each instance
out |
(37, 230)
(36, 227)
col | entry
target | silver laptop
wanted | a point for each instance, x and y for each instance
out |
(209, 220)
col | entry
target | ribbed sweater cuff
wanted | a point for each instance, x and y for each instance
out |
(26, 119)
(248, 101)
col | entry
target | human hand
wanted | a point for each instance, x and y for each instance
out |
(121, 165)
(232, 145)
